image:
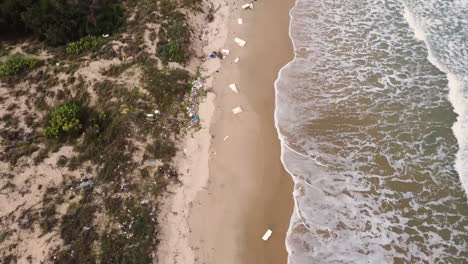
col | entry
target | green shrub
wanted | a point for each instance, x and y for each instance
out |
(174, 40)
(84, 44)
(64, 120)
(17, 64)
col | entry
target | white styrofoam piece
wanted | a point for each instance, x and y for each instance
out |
(225, 138)
(247, 6)
(267, 235)
(236, 60)
(237, 110)
(233, 88)
(225, 51)
(240, 42)
(239, 21)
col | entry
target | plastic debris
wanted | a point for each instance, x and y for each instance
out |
(237, 110)
(157, 111)
(105, 35)
(240, 42)
(145, 202)
(267, 235)
(225, 52)
(197, 84)
(247, 6)
(85, 184)
(149, 115)
(236, 60)
(213, 56)
(196, 118)
(233, 88)
(239, 21)
(225, 138)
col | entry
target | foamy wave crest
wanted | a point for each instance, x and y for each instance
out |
(456, 60)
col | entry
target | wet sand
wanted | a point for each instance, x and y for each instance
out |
(248, 191)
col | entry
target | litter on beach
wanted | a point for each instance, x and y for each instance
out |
(233, 88)
(225, 138)
(267, 235)
(157, 111)
(237, 110)
(149, 115)
(239, 21)
(225, 52)
(105, 35)
(236, 60)
(240, 42)
(247, 6)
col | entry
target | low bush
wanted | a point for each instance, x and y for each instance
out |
(87, 43)
(64, 120)
(17, 64)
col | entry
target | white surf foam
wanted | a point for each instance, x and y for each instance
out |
(458, 96)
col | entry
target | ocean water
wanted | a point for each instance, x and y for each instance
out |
(373, 119)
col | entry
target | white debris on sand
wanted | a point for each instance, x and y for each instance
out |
(236, 60)
(240, 42)
(247, 6)
(225, 138)
(225, 52)
(237, 110)
(233, 88)
(239, 21)
(267, 235)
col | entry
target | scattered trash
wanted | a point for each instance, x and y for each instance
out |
(86, 228)
(267, 235)
(240, 42)
(85, 184)
(197, 84)
(157, 112)
(236, 60)
(233, 88)
(247, 6)
(58, 63)
(237, 110)
(196, 118)
(239, 21)
(149, 115)
(213, 55)
(225, 138)
(225, 52)
(145, 202)
(105, 35)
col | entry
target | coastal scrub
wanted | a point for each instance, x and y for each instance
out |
(64, 120)
(17, 64)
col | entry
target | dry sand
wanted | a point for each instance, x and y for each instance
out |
(223, 217)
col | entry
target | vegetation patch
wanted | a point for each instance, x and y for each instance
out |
(174, 39)
(168, 86)
(64, 120)
(87, 43)
(17, 64)
(78, 233)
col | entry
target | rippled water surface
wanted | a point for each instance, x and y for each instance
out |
(373, 117)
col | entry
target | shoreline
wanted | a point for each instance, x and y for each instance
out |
(221, 218)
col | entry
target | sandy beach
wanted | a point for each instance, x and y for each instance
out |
(222, 218)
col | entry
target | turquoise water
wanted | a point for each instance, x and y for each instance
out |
(373, 118)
